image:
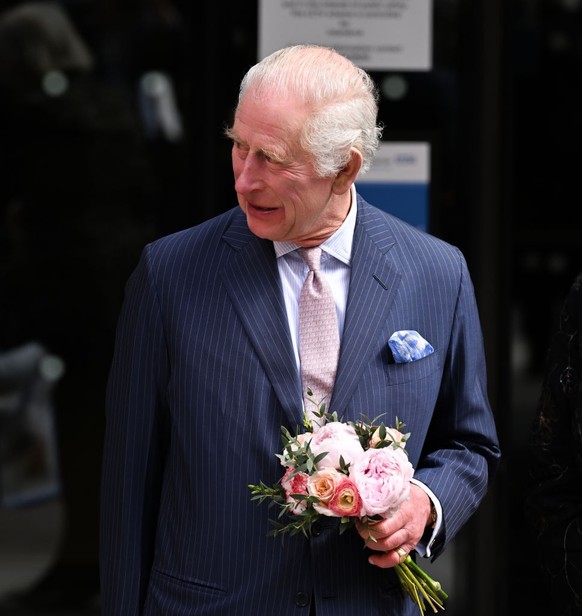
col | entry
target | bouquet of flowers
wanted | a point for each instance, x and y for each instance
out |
(358, 472)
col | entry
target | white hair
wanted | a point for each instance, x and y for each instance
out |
(342, 96)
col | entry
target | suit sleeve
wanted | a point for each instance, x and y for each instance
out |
(461, 454)
(134, 446)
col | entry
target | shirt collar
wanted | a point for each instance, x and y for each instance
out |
(339, 245)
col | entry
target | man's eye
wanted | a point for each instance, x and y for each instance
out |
(240, 148)
(273, 160)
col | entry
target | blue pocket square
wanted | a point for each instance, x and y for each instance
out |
(408, 345)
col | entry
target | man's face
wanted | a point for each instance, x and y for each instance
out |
(275, 181)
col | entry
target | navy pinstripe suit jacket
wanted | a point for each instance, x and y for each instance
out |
(204, 376)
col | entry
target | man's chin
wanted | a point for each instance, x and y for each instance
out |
(263, 228)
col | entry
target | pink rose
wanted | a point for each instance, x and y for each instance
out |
(346, 501)
(383, 480)
(337, 439)
(295, 484)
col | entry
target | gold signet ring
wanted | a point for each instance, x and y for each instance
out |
(402, 554)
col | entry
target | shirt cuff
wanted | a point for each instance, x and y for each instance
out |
(424, 545)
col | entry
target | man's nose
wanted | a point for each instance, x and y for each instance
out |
(247, 175)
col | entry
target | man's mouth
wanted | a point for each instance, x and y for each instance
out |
(262, 208)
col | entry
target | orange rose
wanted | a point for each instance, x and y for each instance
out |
(323, 484)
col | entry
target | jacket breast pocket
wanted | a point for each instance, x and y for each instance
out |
(399, 373)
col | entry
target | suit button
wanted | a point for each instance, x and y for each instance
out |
(301, 599)
(316, 529)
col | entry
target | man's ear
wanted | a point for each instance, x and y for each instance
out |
(347, 176)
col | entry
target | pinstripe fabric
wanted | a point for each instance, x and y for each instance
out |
(204, 375)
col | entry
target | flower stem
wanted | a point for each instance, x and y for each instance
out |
(420, 586)
(434, 585)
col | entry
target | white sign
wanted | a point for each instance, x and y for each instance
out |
(400, 162)
(375, 34)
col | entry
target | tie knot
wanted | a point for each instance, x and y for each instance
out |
(312, 257)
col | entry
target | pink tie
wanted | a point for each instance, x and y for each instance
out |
(318, 332)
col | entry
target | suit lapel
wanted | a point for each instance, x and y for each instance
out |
(251, 278)
(373, 285)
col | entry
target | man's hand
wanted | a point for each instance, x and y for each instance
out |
(393, 538)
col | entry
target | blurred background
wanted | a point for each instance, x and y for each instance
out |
(111, 117)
